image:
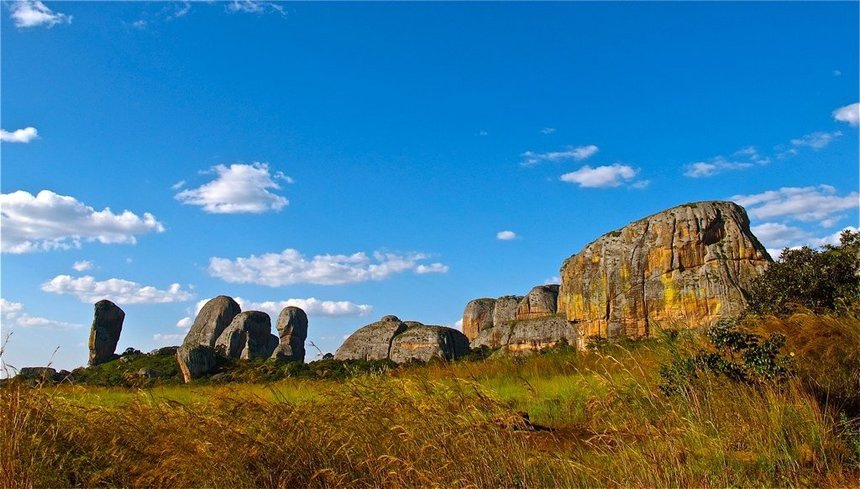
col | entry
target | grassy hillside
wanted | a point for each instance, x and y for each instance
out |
(568, 418)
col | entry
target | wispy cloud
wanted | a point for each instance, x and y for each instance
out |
(88, 289)
(82, 266)
(12, 314)
(292, 267)
(24, 135)
(848, 113)
(32, 13)
(238, 188)
(506, 235)
(255, 7)
(579, 153)
(746, 157)
(547, 130)
(49, 221)
(601, 176)
(431, 268)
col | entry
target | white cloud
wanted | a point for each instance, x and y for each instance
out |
(548, 130)
(459, 324)
(640, 184)
(186, 322)
(32, 13)
(51, 221)
(506, 235)
(178, 185)
(12, 314)
(82, 266)
(816, 140)
(831, 239)
(292, 267)
(88, 289)
(19, 136)
(312, 307)
(139, 24)
(552, 281)
(849, 113)
(168, 338)
(239, 188)
(776, 235)
(799, 203)
(530, 158)
(601, 176)
(431, 268)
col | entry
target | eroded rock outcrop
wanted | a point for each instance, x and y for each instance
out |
(105, 331)
(248, 336)
(292, 333)
(506, 309)
(371, 342)
(541, 302)
(210, 322)
(196, 361)
(423, 343)
(478, 316)
(683, 267)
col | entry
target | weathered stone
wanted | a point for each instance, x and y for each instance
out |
(44, 374)
(211, 321)
(371, 342)
(165, 350)
(247, 337)
(105, 331)
(413, 324)
(426, 342)
(196, 361)
(478, 316)
(541, 302)
(292, 331)
(506, 309)
(528, 334)
(683, 267)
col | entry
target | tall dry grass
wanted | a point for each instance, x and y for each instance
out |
(444, 425)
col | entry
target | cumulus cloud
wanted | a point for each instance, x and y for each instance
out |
(431, 268)
(849, 113)
(32, 13)
(49, 221)
(777, 234)
(12, 314)
(185, 322)
(813, 203)
(312, 307)
(531, 158)
(506, 235)
(88, 289)
(601, 176)
(82, 266)
(292, 267)
(19, 136)
(238, 188)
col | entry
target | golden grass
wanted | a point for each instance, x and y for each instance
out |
(443, 425)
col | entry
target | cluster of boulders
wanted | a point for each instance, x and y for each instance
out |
(518, 323)
(222, 330)
(403, 341)
(685, 267)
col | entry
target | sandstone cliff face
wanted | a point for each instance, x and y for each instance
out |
(541, 301)
(683, 267)
(528, 334)
(478, 316)
(424, 343)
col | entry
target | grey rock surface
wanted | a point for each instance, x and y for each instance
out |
(248, 336)
(292, 332)
(371, 342)
(196, 361)
(478, 316)
(424, 343)
(105, 331)
(541, 301)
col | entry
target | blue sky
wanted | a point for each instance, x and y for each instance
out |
(391, 158)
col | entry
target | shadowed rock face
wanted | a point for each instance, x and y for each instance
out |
(247, 337)
(371, 342)
(196, 361)
(528, 334)
(105, 331)
(478, 316)
(292, 331)
(683, 267)
(424, 343)
(541, 301)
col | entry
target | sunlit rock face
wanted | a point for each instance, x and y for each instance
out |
(681, 268)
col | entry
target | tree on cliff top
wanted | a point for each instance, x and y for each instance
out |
(822, 281)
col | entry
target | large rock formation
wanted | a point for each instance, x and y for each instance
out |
(292, 332)
(247, 337)
(478, 316)
(420, 342)
(541, 302)
(529, 335)
(683, 267)
(371, 342)
(105, 331)
(506, 309)
(210, 322)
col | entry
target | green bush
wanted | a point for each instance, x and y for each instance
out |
(821, 281)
